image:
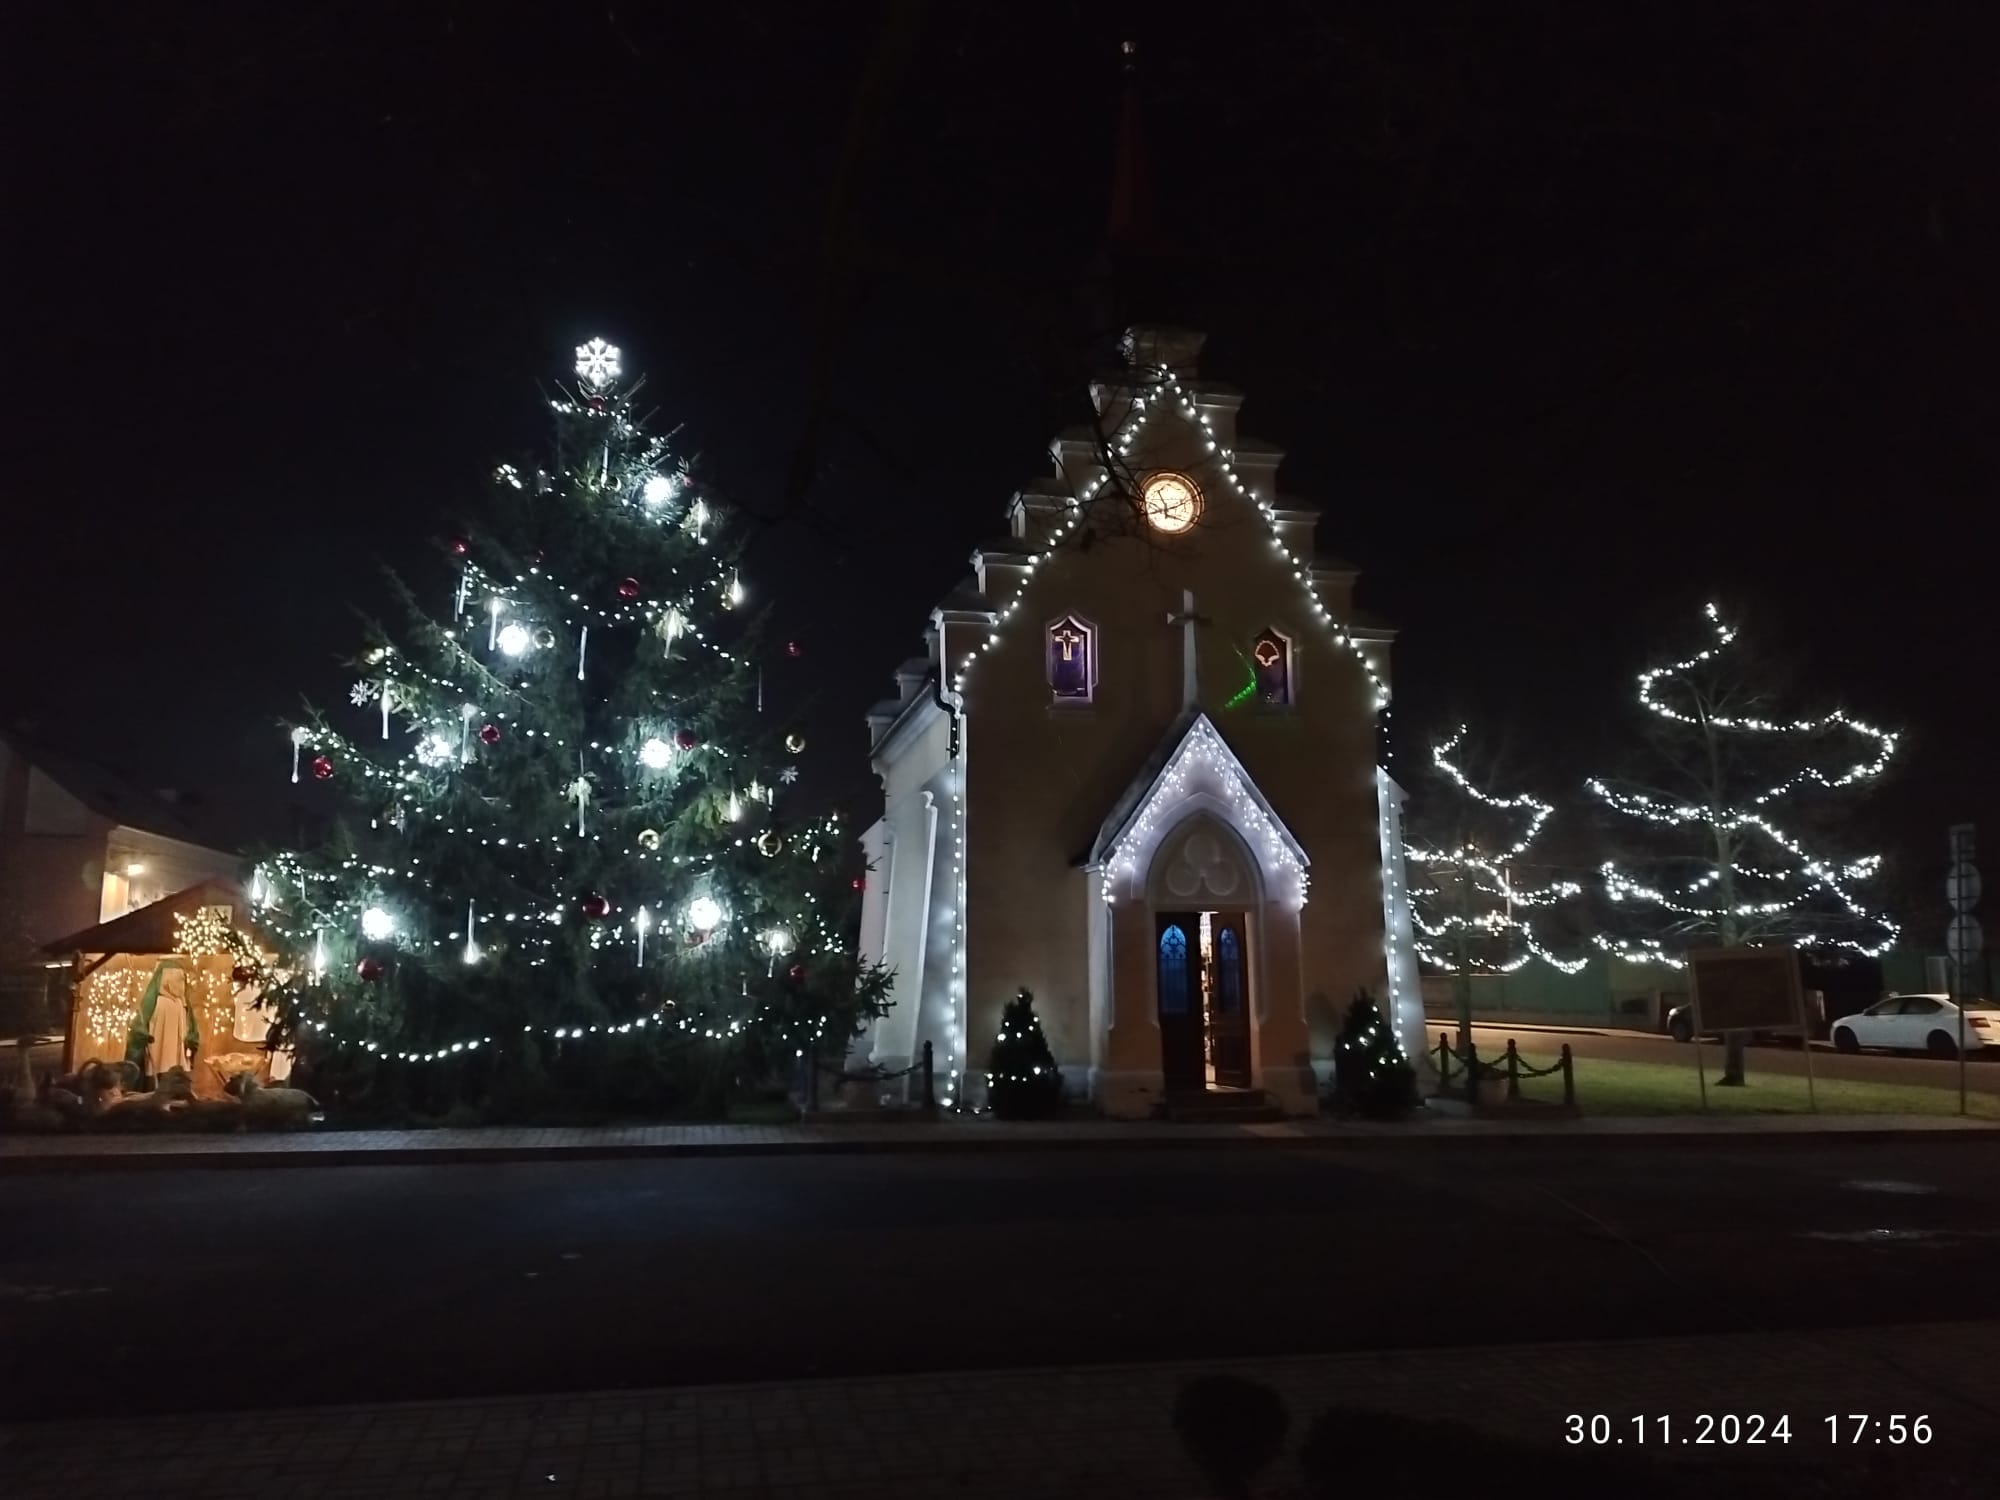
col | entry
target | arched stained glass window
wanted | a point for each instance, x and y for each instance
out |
(1173, 971)
(1072, 659)
(1271, 658)
(1228, 972)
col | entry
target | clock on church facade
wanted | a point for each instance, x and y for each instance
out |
(1139, 778)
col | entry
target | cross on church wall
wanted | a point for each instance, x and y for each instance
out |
(1187, 619)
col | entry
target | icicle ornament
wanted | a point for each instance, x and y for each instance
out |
(672, 626)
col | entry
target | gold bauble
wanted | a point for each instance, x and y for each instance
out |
(649, 838)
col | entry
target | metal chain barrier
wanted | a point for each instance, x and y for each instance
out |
(1473, 1070)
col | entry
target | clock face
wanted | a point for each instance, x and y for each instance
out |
(1171, 502)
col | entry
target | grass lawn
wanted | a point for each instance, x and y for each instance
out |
(1608, 1087)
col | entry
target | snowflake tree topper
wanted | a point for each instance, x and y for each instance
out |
(597, 364)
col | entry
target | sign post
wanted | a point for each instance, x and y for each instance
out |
(1805, 1051)
(1746, 989)
(1963, 940)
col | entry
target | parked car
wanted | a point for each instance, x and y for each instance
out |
(1919, 1023)
(1680, 1022)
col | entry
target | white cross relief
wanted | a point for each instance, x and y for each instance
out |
(1187, 619)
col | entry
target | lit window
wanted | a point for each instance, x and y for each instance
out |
(1072, 660)
(1271, 656)
(1174, 971)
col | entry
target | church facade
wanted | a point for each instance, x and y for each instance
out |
(1135, 773)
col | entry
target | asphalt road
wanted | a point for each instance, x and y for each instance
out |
(1982, 1074)
(176, 1289)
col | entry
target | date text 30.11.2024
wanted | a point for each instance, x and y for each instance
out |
(1705, 1429)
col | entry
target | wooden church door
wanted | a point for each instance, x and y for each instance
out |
(1178, 953)
(1228, 1007)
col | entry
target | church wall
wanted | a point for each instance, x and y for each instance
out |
(1042, 777)
(913, 870)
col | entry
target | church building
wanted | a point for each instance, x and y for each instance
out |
(1135, 772)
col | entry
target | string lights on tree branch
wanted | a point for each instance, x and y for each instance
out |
(1728, 871)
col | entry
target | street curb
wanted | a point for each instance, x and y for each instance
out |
(918, 1144)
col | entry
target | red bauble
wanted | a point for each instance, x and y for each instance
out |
(628, 588)
(794, 648)
(596, 908)
(460, 546)
(240, 975)
(796, 973)
(322, 767)
(489, 734)
(370, 969)
(859, 882)
(687, 739)
(597, 403)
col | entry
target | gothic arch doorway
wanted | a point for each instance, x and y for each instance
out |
(1204, 887)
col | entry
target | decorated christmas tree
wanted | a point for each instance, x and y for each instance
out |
(1022, 1080)
(1371, 1074)
(561, 838)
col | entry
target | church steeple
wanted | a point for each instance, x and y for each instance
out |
(1130, 220)
(1131, 282)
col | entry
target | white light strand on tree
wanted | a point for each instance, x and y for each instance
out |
(1474, 871)
(1787, 917)
(388, 900)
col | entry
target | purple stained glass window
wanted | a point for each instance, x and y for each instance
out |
(1072, 658)
(1272, 655)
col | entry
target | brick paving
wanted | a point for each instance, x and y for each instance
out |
(508, 1143)
(1093, 1431)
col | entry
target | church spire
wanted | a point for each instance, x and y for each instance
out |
(1130, 220)
(1136, 282)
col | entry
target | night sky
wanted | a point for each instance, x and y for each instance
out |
(1568, 316)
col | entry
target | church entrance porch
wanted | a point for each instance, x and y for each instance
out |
(1198, 991)
(1203, 988)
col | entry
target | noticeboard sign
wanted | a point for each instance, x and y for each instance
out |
(1745, 989)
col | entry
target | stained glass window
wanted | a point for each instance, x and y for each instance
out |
(1228, 972)
(1072, 659)
(1272, 655)
(1173, 971)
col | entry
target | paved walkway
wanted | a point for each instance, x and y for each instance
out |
(1110, 1431)
(506, 1143)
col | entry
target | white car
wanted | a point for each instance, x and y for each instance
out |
(1919, 1023)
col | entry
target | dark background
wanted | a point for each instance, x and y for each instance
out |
(1568, 315)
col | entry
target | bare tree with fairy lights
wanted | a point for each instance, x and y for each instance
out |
(1717, 818)
(1473, 904)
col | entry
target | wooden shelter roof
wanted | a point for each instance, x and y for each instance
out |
(151, 929)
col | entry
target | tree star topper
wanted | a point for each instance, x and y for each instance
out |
(597, 364)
